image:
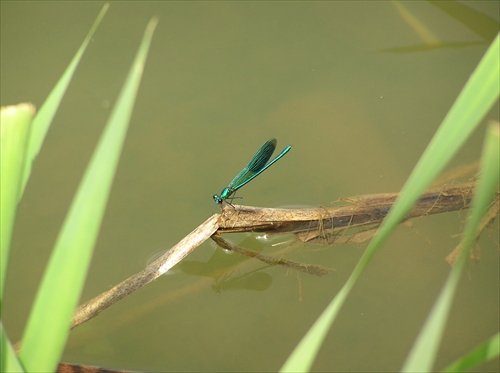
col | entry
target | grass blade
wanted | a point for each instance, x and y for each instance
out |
(473, 102)
(482, 353)
(8, 358)
(48, 325)
(15, 129)
(48, 110)
(426, 347)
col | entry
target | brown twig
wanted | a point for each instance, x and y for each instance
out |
(161, 265)
(313, 223)
(308, 224)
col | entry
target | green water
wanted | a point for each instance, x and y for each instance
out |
(348, 84)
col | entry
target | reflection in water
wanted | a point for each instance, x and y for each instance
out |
(222, 267)
(253, 280)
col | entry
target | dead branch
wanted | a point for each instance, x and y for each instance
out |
(310, 225)
(161, 265)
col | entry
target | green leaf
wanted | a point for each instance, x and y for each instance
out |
(426, 347)
(482, 353)
(44, 117)
(474, 101)
(8, 358)
(49, 322)
(15, 129)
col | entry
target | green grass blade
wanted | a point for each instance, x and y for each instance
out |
(482, 25)
(48, 110)
(477, 97)
(8, 358)
(49, 322)
(15, 129)
(473, 102)
(482, 353)
(425, 349)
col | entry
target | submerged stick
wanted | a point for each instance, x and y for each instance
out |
(311, 269)
(488, 218)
